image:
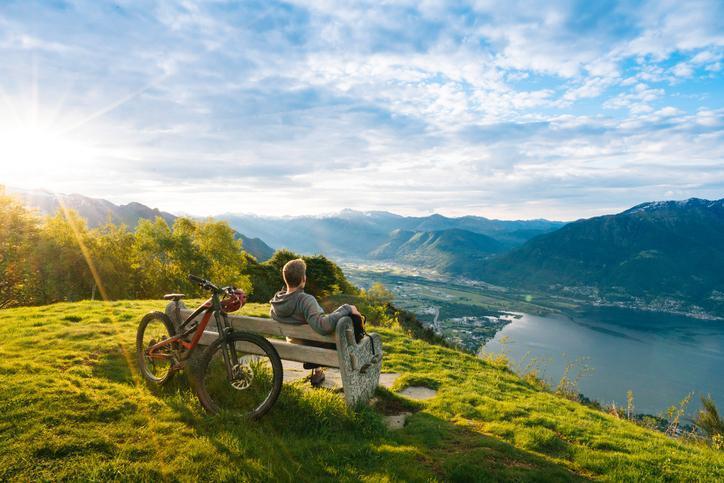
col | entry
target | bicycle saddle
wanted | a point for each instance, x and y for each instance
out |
(174, 296)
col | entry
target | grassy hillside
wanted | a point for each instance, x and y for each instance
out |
(74, 408)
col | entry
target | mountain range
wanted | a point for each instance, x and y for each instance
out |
(98, 212)
(657, 249)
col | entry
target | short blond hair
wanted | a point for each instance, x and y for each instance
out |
(293, 272)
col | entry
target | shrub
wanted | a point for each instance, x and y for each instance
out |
(709, 421)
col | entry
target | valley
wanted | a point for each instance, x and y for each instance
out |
(467, 312)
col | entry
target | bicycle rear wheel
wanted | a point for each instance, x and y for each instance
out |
(256, 378)
(155, 327)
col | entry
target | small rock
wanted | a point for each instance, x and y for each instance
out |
(396, 421)
(419, 393)
(387, 379)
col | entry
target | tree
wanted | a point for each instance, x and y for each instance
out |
(64, 259)
(280, 258)
(112, 249)
(325, 278)
(18, 238)
(378, 294)
(266, 277)
(215, 242)
(163, 257)
(153, 259)
(58, 258)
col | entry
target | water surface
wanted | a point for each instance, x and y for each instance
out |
(660, 357)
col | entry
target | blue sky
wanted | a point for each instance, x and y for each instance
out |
(502, 109)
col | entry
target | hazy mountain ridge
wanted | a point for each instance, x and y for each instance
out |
(98, 211)
(355, 234)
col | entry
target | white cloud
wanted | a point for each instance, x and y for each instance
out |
(519, 109)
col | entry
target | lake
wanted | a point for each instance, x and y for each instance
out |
(660, 357)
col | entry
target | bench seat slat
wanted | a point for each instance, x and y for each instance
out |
(286, 350)
(260, 325)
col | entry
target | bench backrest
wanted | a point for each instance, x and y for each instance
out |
(263, 326)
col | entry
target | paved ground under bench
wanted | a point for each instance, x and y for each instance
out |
(293, 371)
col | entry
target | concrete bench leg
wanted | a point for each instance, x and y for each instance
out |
(358, 365)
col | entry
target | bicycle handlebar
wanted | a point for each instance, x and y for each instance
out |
(204, 283)
(196, 279)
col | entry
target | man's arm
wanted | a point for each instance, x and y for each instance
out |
(318, 320)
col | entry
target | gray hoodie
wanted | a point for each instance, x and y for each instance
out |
(299, 307)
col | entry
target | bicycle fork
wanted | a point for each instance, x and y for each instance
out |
(231, 358)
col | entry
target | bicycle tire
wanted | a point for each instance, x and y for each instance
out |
(141, 360)
(202, 377)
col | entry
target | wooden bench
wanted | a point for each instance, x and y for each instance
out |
(358, 366)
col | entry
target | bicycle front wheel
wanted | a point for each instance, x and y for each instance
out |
(255, 378)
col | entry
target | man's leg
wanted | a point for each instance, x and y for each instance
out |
(317, 370)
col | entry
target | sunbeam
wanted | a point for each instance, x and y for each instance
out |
(87, 256)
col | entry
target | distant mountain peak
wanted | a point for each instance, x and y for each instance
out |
(674, 204)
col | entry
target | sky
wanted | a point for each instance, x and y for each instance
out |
(513, 110)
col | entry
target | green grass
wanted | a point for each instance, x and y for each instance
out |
(73, 408)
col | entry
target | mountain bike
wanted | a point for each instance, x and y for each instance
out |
(238, 372)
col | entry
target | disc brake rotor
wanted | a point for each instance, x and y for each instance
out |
(242, 375)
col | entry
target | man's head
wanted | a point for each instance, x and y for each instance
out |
(295, 273)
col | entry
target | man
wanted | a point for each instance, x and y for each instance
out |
(294, 306)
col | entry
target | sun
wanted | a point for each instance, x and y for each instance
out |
(35, 145)
(33, 155)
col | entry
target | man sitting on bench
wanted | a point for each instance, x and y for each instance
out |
(294, 306)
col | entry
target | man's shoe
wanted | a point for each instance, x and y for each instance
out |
(317, 378)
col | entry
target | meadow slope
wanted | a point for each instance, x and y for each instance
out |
(73, 407)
